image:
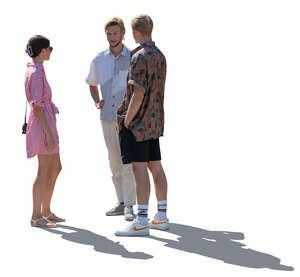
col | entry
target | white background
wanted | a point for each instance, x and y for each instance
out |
(230, 151)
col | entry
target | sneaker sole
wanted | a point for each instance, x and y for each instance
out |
(114, 214)
(129, 218)
(159, 227)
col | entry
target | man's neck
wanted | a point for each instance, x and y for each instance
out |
(146, 40)
(117, 50)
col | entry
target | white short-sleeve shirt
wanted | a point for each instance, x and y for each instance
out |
(110, 73)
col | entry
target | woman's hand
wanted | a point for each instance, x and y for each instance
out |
(50, 142)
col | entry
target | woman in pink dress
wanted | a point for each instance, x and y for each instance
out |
(41, 134)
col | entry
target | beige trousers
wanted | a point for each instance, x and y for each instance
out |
(122, 175)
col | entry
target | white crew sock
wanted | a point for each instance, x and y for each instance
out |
(162, 209)
(142, 216)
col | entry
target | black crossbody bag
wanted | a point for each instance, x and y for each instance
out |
(24, 127)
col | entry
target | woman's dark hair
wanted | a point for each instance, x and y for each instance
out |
(36, 44)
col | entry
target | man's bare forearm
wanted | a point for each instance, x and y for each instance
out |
(95, 93)
(134, 105)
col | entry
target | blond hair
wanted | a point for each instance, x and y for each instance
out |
(142, 23)
(115, 21)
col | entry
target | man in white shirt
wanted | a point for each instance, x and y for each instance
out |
(109, 70)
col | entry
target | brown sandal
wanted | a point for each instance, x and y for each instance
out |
(42, 222)
(52, 217)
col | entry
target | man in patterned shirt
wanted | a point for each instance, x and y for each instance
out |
(141, 123)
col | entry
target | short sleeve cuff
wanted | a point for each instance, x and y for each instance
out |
(137, 85)
(36, 103)
(91, 82)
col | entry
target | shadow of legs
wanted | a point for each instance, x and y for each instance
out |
(220, 245)
(100, 243)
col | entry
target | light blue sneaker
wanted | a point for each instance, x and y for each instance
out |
(134, 230)
(158, 224)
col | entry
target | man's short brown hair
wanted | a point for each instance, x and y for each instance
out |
(115, 21)
(142, 23)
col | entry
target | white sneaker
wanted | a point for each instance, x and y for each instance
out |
(128, 213)
(134, 230)
(159, 224)
(117, 210)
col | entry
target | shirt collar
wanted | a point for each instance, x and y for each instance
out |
(37, 65)
(123, 53)
(143, 45)
(150, 43)
(107, 52)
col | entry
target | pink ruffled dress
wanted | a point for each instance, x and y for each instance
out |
(38, 92)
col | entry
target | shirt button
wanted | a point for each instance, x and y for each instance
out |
(113, 105)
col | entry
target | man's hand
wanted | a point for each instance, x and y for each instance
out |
(126, 122)
(134, 105)
(100, 105)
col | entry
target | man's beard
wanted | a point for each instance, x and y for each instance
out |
(116, 45)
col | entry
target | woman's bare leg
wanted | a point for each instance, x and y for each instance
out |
(40, 183)
(55, 170)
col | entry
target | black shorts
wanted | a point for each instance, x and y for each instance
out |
(132, 151)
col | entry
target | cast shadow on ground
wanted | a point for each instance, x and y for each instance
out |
(220, 245)
(100, 243)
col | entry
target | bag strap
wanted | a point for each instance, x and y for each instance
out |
(25, 110)
(24, 127)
